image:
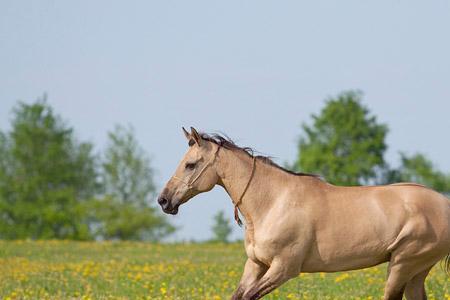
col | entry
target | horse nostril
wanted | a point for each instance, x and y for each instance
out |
(162, 201)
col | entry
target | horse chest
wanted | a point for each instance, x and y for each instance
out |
(258, 251)
(250, 243)
(252, 249)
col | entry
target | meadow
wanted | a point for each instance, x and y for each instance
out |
(132, 270)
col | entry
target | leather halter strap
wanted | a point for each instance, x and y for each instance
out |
(210, 162)
(236, 205)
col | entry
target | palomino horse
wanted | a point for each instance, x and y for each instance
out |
(298, 223)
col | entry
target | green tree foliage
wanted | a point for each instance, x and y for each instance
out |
(417, 168)
(125, 212)
(345, 143)
(45, 177)
(221, 228)
(50, 183)
(127, 175)
(113, 219)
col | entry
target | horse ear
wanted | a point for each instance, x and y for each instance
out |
(186, 134)
(196, 136)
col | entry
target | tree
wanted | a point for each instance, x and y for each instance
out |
(125, 211)
(345, 143)
(221, 228)
(417, 168)
(46, 176)
(127, 175)
(112, 219)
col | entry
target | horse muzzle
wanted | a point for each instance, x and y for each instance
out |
(167, 206)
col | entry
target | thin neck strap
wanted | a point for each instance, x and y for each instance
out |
(236, 205)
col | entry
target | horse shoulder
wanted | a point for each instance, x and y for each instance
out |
(285, 231)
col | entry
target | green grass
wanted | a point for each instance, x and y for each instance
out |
(123, 270)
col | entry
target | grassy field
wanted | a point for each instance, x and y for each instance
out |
(122, 270)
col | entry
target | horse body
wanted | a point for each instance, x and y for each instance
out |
(299, 223)
(350, 228)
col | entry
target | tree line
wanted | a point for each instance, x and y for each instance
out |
(346, 144)
(53, 186)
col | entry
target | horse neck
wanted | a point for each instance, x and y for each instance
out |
(235, 172)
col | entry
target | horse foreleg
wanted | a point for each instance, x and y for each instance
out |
(402, 275)
(415, 288)
(252, 272)
(277, 274)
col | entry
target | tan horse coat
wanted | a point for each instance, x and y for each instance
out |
(299, 223)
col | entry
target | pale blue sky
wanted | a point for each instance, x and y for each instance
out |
(252, 69)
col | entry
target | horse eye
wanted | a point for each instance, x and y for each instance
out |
(190, 166)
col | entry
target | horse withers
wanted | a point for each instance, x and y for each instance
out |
(296, 222)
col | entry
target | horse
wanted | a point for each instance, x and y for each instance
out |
(297, 222)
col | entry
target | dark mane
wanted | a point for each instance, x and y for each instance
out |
(225, 142)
